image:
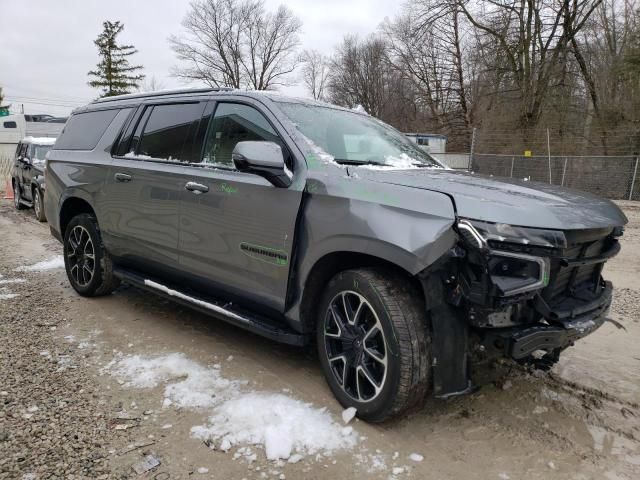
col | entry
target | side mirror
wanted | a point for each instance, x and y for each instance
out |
(262, 158)
(25, 160)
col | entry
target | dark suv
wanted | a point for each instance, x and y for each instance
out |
(308, 223)
(27, 175)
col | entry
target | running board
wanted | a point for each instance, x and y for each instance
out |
(214, 308)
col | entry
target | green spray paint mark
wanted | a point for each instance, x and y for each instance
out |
(312, 187)
(230, 189)
(265, 254)
(313, 162)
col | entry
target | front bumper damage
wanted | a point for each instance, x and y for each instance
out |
(477, 321)
(522, 342)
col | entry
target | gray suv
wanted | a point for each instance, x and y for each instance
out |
(312, 224)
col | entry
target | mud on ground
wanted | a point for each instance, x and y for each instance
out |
(60, 409)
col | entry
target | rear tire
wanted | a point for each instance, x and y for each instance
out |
(88, 265)
(38, 205)
(374, 340)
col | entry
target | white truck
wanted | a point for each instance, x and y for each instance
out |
(14, 128)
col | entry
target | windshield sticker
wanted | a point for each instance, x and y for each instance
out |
(265, 254)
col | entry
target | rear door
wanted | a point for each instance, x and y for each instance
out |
(237, 233)
(143, 189)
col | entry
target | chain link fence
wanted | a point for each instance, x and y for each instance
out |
(6, 163)
(613, 177)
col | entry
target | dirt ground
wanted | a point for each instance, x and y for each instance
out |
(581, 421)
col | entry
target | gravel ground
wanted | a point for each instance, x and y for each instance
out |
(52, 420)
(61, 416)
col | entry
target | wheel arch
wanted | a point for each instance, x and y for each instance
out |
(329, 265)
(70, 207)
(36, 183)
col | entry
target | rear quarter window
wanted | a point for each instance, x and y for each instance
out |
(83, 130)
(168, 131)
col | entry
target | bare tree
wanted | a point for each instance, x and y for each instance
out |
(533, 38)
(236, 43)
(315, 73)
(151, 84)
(425, 44)
(359, 74)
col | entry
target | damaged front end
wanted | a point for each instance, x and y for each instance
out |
(521, 293)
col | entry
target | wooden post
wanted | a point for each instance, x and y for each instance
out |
(633, 180)
(549, 153)
(564, 170)
(473, 143)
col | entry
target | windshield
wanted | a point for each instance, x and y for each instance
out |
(356, 139)
(39, 151)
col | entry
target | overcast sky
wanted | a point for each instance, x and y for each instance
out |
(46, 47)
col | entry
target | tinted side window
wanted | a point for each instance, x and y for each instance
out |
(83, 130)
(10, 125)
(166, 134)
(233, 123)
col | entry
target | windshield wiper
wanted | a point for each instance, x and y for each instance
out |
(379, 164)
(358, 162)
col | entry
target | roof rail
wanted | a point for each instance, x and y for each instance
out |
(162, 93)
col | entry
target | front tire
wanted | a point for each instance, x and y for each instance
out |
(373, 340)
(88, 265)
(38, 205)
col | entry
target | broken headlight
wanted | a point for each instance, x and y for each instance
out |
(485, 233)
(512, 273)
(515, 273)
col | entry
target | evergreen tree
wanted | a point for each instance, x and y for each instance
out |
(114, 75)
(4, 109)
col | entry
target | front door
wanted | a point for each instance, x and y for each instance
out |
(238, 231)
(141, 202)
(22, 170)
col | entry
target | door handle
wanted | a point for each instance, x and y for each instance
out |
(196, 188)
(122, 177)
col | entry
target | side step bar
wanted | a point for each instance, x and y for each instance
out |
(213, 308)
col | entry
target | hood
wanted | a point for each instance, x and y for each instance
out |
(504, 200)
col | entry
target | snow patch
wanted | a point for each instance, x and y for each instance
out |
(52, 263)
(12, 280)
(280, 424)
(188, 384)
(416, 457)
(402, 162)
(348, 414)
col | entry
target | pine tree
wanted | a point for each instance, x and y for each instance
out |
(4, 109)
(113, 75)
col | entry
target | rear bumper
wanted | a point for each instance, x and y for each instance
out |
(568, 327)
